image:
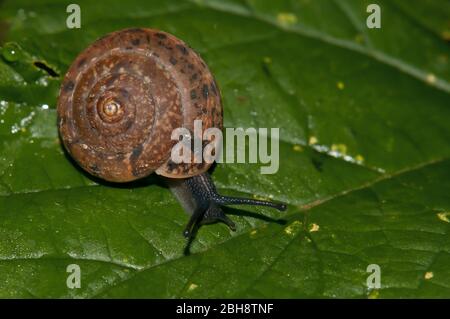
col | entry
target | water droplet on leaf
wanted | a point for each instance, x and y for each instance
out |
(11, 52)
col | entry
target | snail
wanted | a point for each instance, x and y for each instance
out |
(118, 104)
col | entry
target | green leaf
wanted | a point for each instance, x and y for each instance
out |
(364, 155)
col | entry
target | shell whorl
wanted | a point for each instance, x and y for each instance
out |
(124, 95)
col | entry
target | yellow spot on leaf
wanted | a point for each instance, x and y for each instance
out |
(293, 227)
(314, 228)
(260, 197)
(446, 35)
(286, 18)
(192, 287)
(253, 232)
(428, 275)
(444, 216)
(267, 60)
(359, 158)
(359, 38)
(297, 148)
(340, 148)
(373, 294)
(431, 78)
(312, 140)
(340, 85)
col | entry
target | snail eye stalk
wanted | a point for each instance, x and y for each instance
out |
(229, 200)
(190, 227)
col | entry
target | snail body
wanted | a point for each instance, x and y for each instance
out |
(119, 103)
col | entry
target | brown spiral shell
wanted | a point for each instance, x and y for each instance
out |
(124, 95)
